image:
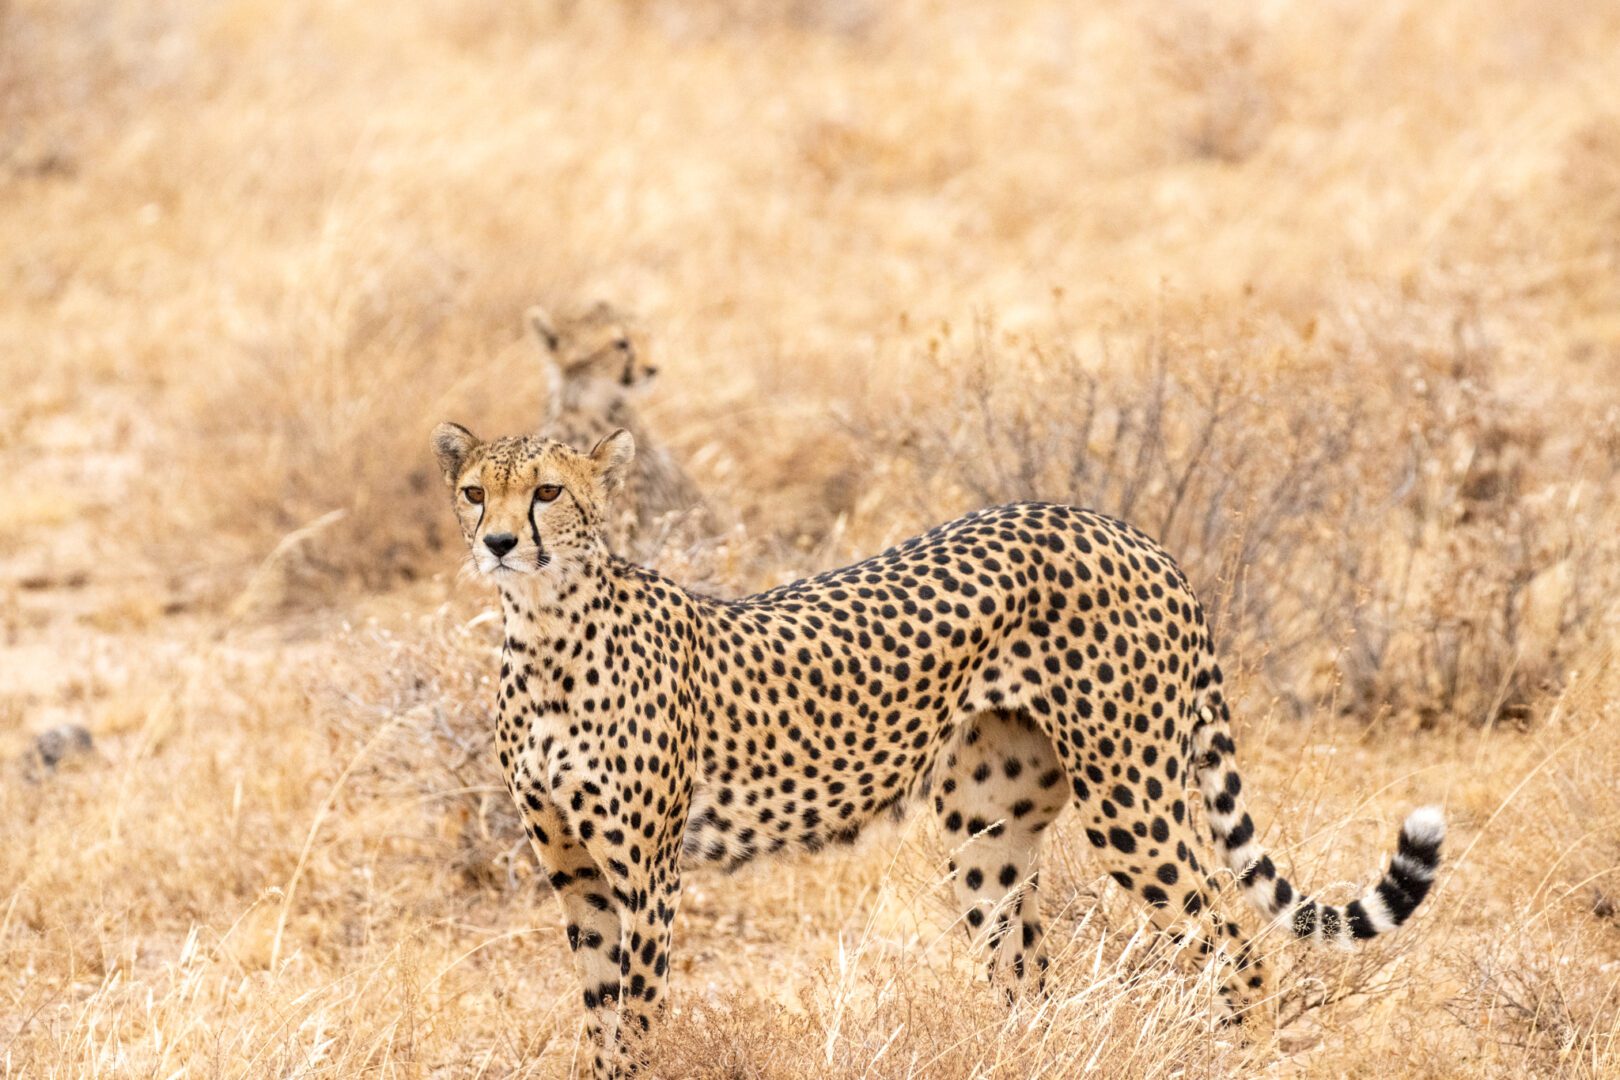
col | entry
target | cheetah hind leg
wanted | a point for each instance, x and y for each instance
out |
(1197, 912)
(1151, 849)
(998, 790)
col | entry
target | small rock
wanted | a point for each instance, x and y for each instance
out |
(61, 744)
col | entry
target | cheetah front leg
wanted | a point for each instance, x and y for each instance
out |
(638, 853)
(646, 933)
(590, 916)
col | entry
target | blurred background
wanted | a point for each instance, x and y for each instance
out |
(1324, 295)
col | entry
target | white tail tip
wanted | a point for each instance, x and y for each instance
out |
(1426, 825)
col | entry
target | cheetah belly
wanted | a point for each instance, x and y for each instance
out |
(804, 789)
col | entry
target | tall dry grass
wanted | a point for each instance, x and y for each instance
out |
(1324, 295)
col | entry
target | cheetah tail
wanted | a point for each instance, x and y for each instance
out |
(1384, 907)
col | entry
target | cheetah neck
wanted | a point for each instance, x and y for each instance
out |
(598, 398)
(562, 636)
(546, 610)
(553, 637)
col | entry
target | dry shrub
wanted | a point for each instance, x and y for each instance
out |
(1404, 540)
(422, 708)
(1547, 1015)
(854, 19)
(1206, 54)
(348, 387)
(1541, 993)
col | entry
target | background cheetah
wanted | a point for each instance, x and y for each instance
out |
(595, 364)
(1010, 662)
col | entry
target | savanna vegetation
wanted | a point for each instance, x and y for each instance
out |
(1326, 296)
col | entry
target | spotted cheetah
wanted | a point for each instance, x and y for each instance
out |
(1005, 665)
(595, 365)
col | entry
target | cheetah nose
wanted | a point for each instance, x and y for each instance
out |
(500, 543)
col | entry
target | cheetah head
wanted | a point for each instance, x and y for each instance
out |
(529, 505)
(594, 360)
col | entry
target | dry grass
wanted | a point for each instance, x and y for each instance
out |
(1323, 294)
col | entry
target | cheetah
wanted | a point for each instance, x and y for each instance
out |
(595, 364)
(1005, 665)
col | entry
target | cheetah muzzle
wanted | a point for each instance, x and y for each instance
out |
(1010, 663)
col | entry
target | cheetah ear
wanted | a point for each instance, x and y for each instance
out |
(612, 456)
(545, 335)
(452, 443)
(544, 330)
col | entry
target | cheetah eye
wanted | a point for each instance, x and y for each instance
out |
(474, 495)
(547, 492)
(622, 344)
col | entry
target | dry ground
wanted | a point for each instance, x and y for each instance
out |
(1325, 294)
